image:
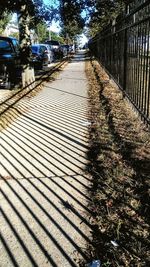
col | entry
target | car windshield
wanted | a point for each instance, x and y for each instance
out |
(5, 46)
(34, 49)
(52, 42)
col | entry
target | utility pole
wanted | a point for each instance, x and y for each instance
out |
(50, 37)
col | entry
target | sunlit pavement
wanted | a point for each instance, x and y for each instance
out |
(43, 185)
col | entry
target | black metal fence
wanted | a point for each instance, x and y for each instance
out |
(124, 50)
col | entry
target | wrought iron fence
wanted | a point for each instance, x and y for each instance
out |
(124, 50)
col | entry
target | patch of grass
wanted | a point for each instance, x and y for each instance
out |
(119, 159)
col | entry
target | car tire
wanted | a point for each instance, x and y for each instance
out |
(6, 78)
(7, 82)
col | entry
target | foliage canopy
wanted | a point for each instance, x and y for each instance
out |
(71, 20)
(5, 18)
(101, 13)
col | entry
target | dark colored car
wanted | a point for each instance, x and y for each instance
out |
(42, 55)
(9, 62)
(55, 46)
(64, 50)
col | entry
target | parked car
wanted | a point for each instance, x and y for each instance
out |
(10, 63)
(64, 49)
(55, 46)
(42, 55)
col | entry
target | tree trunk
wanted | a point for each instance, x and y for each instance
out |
(28, 76)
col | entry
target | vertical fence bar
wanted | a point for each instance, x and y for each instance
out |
(125, 61)
(146, 104)
(124, 50)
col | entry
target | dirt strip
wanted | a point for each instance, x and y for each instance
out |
(119, 159)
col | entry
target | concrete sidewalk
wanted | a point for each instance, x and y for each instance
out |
(43, 186)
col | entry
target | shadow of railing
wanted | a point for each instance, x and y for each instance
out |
(15, 97)
(44, 188)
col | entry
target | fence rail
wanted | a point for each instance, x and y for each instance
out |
(124, 50)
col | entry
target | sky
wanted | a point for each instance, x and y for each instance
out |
(51, 2)
(54, 27)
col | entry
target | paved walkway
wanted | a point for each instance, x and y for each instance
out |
(43, 186)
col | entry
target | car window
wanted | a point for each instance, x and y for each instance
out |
(16, 45)
(53, 42)
(5, 46)
(48, 48)
(42, 49)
